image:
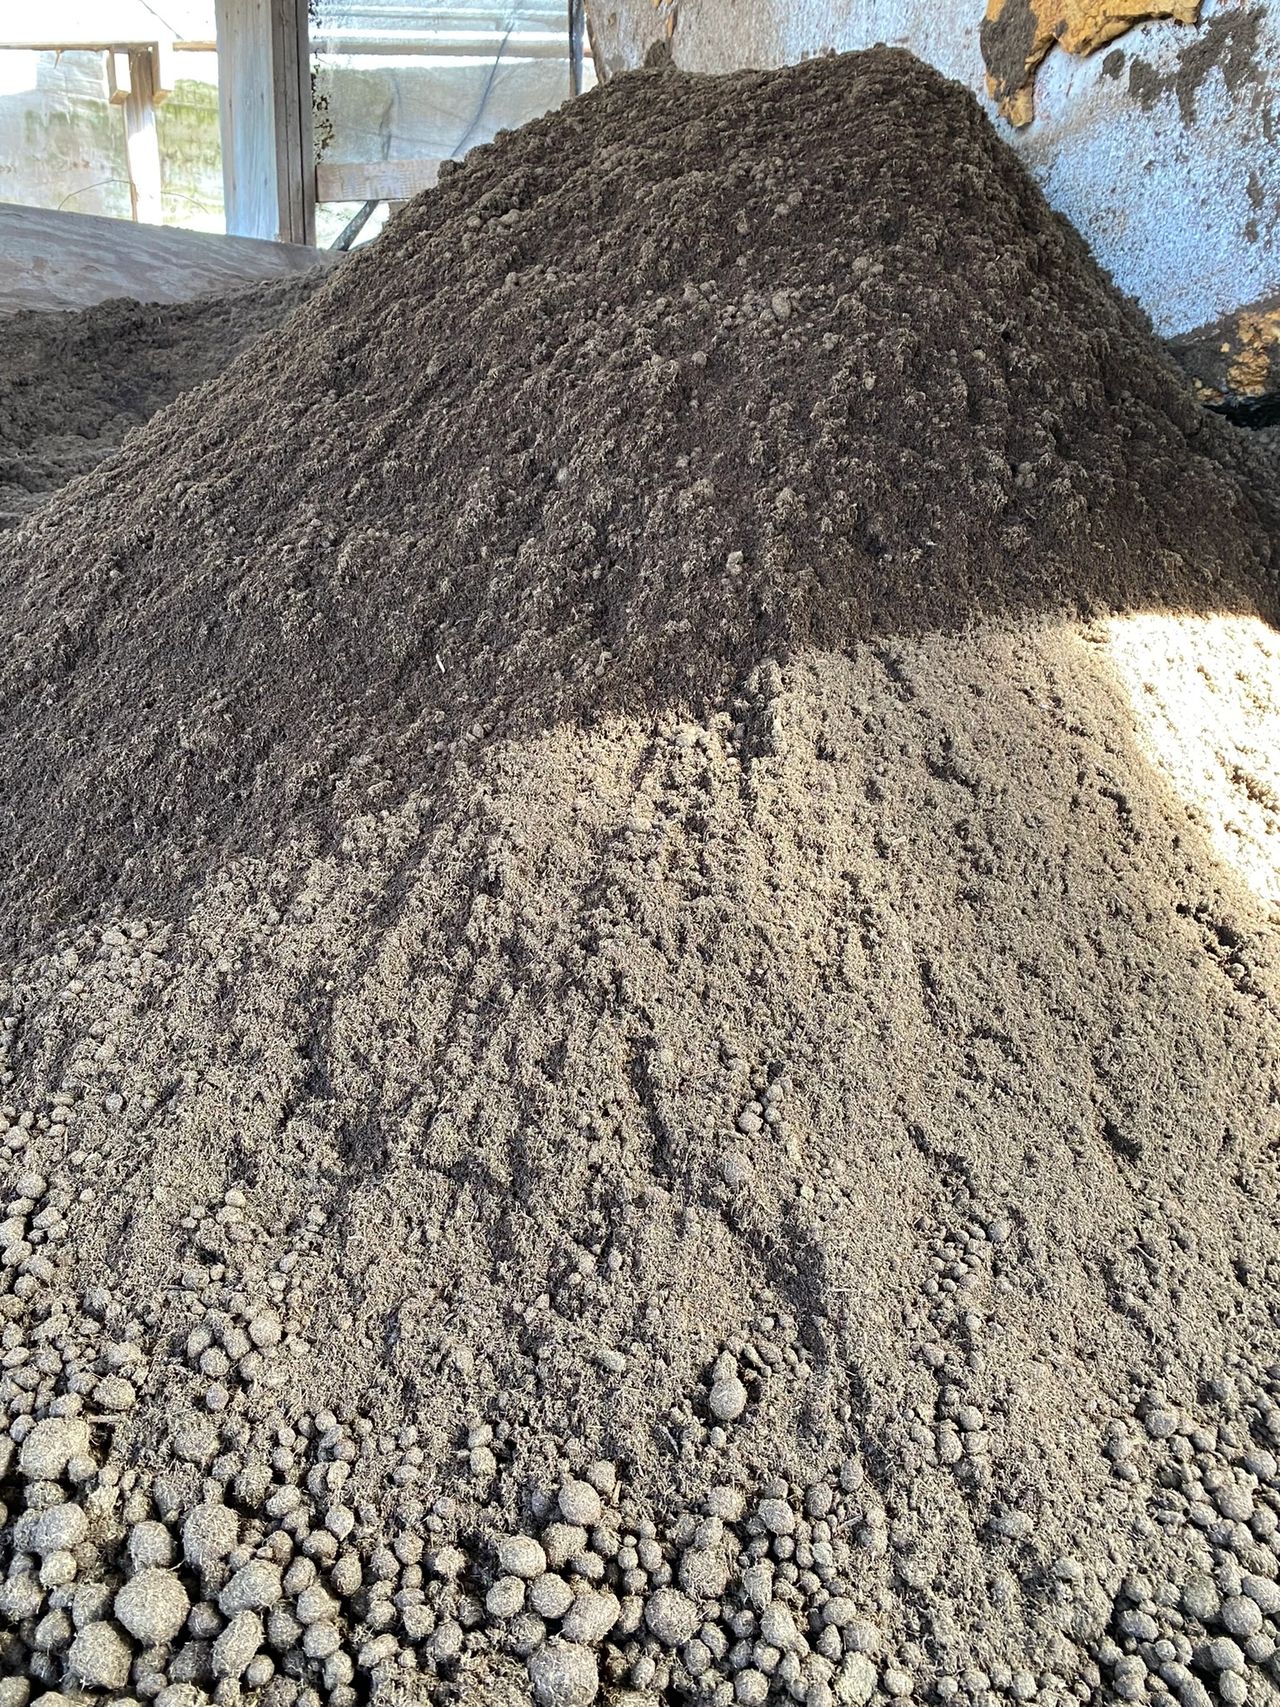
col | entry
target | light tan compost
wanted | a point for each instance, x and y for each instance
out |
(640, 1007)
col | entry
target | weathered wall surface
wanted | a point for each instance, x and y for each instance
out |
(62, 144)
(1164, 148)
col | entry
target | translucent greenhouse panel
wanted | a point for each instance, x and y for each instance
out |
(423, 83)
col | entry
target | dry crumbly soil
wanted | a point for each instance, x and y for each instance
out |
(74, 383)
(640, 1013)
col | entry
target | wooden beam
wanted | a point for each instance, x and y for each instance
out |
(293, 50)
(119, 82)
(374, 180)
(264, 109)
(163, 71)
(141, 144)
(117, 51)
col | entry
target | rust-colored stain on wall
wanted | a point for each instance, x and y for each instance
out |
(1017, 34)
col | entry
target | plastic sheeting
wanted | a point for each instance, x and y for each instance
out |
(429, 81)
(399, 81)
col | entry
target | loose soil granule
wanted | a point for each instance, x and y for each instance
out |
(640, 1030)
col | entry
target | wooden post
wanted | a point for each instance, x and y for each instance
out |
(119, 82)
(264, 110)
(375, 180)
(141, 145)
(575, 46)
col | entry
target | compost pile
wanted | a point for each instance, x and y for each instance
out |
(640, 1042)
(73, 383)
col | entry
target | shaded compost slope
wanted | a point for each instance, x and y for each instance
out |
(74, 382)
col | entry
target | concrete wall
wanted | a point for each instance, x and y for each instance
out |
(62, 144)
(1164, 149)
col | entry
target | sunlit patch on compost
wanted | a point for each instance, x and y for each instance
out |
(1206, 696)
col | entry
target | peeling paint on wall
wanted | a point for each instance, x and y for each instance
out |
(1018, 34)
(1255, 367)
